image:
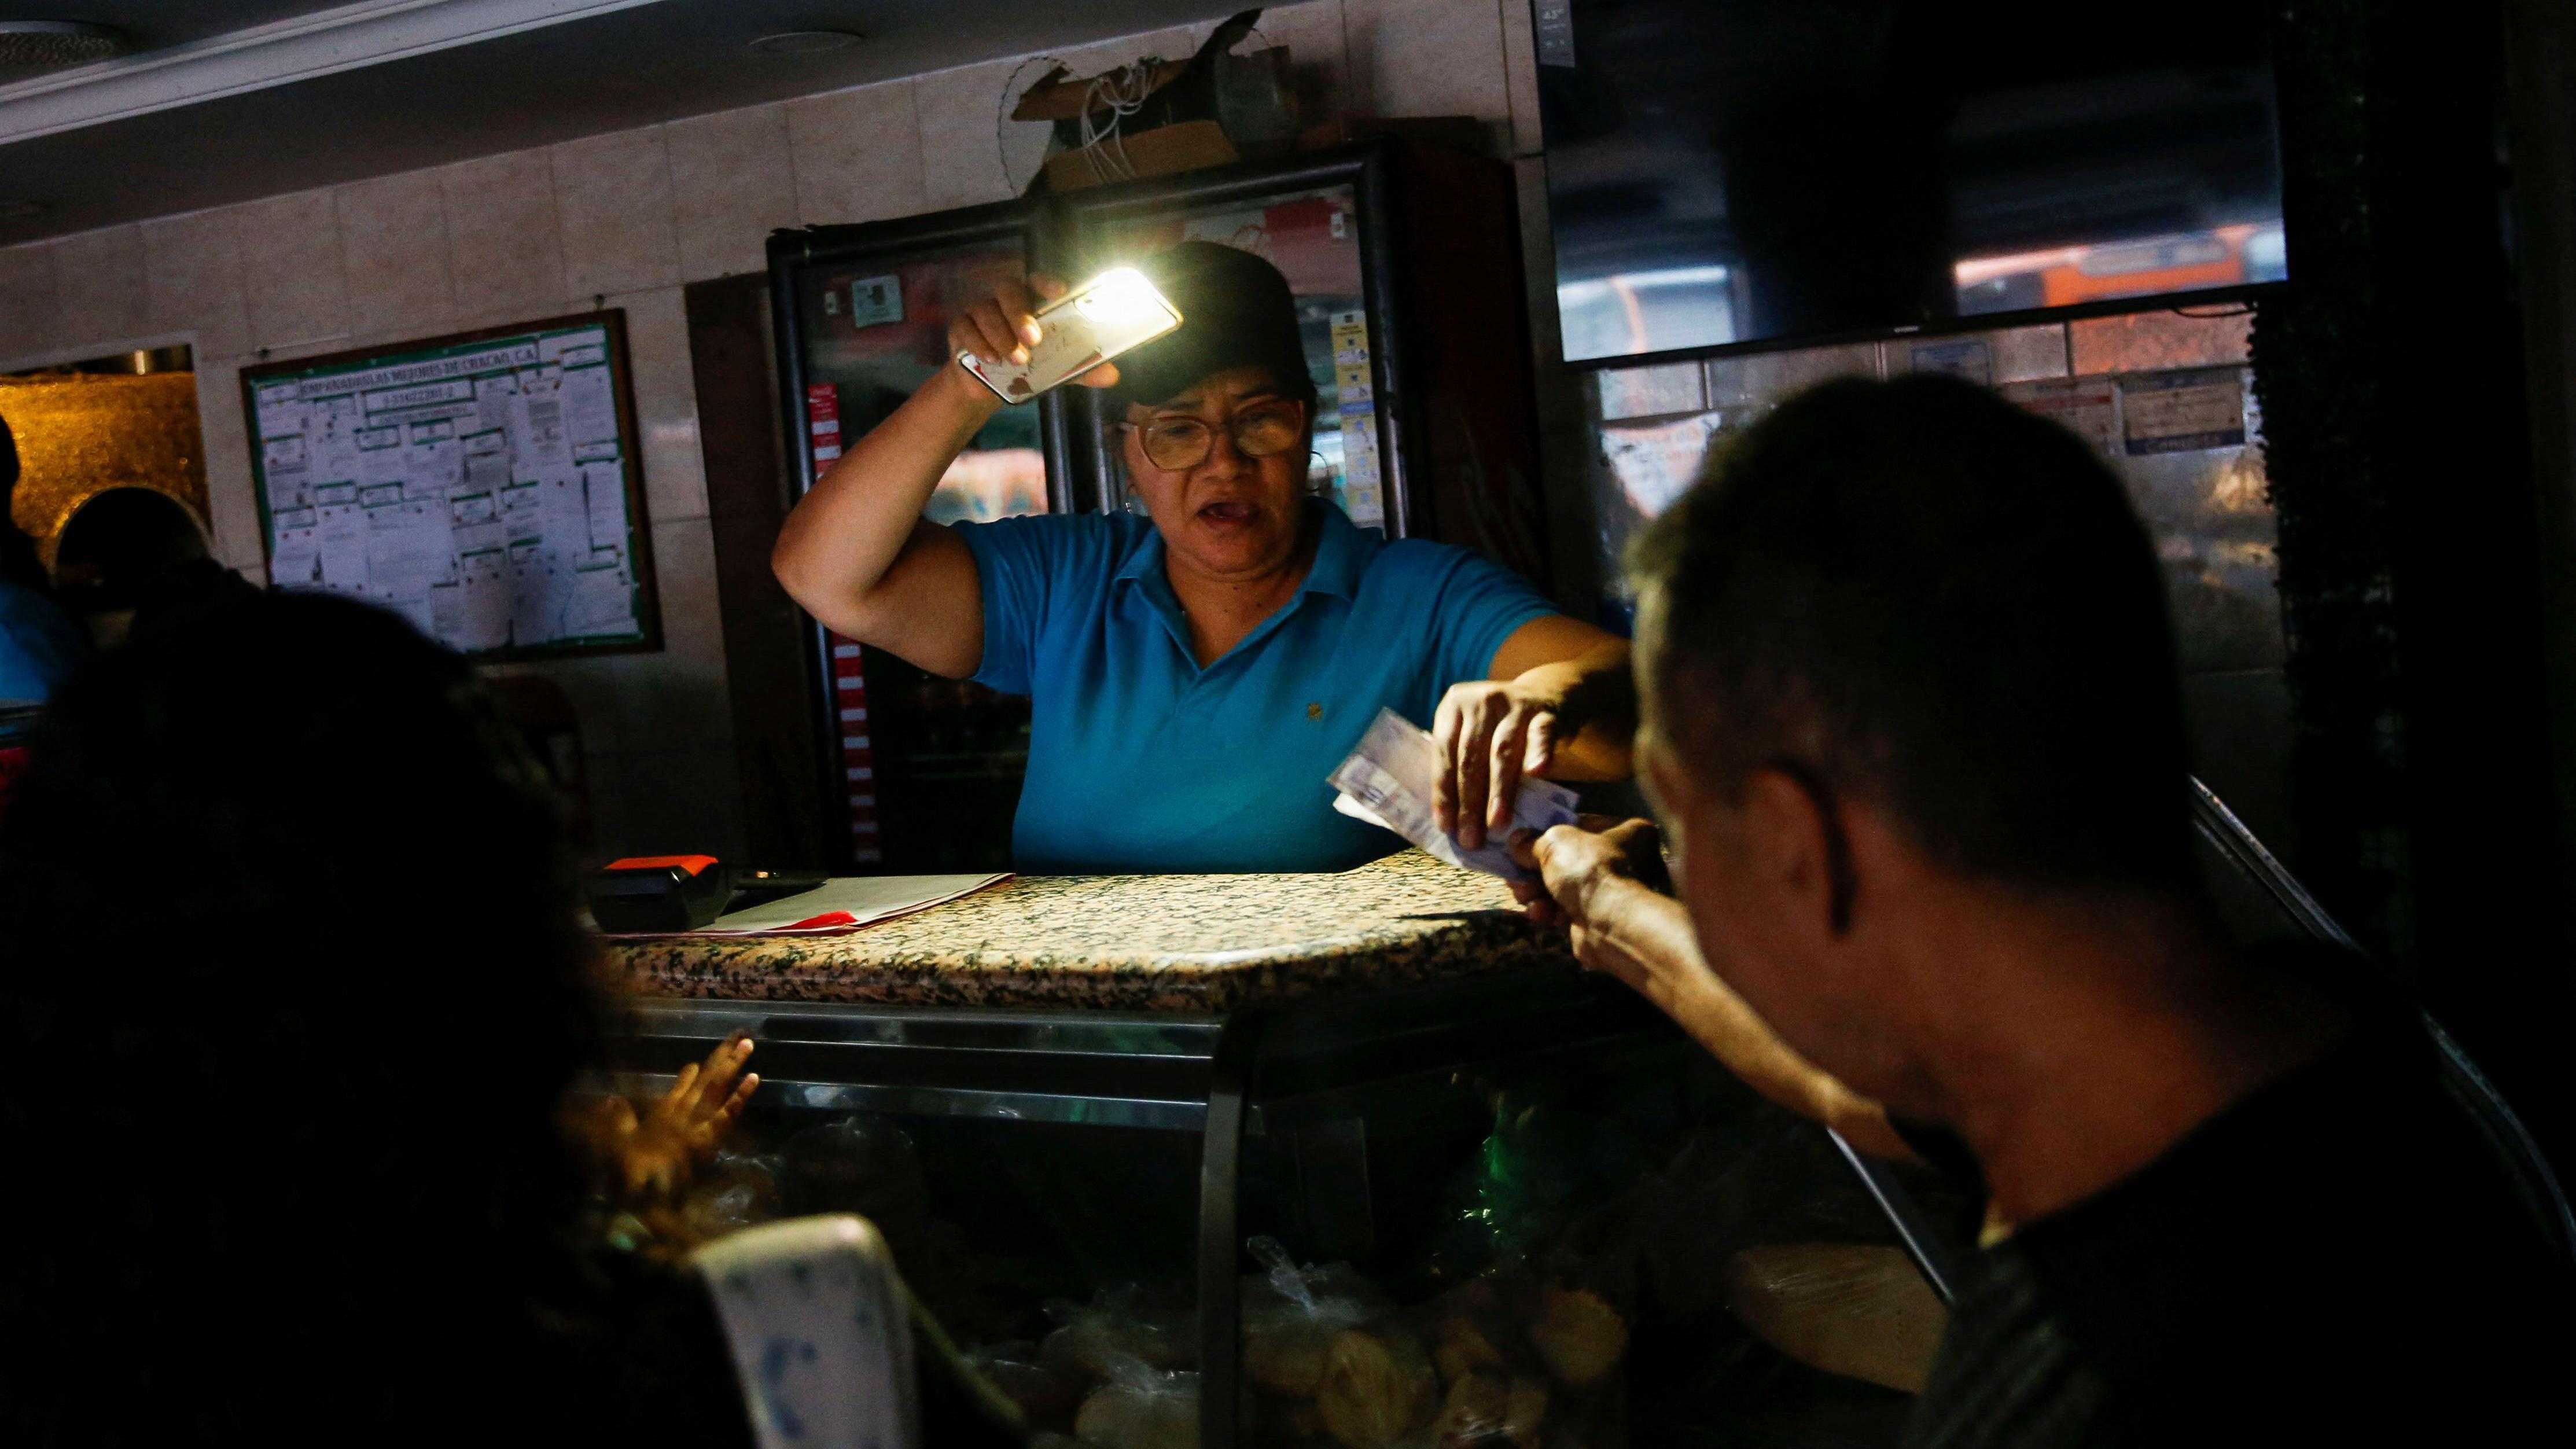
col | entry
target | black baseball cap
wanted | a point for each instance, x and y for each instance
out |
(1236, 311)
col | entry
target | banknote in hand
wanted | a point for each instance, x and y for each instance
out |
(1390, 778)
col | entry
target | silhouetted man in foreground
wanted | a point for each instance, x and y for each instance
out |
(1913, 724)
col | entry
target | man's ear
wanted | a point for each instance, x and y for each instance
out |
(1797, 847)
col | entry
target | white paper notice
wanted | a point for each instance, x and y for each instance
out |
(563, 519)
(480, 490)
(590, 404)
(296, 561)
(603, 488)
(2088, 407)
(408, 550)
(603, 602)
(536, 610)
(474, 521)
(1362, 487)
(341, 542)
(482, 603)
(2180, 412)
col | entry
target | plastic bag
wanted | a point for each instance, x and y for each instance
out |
(859, 1164)
(1047, 1394)
(719, 1209)
(1140, 1407)
(1113, 1326)
(1847, 1308)
(1291, 1316)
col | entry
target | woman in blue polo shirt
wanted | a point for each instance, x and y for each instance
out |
(1195, 675)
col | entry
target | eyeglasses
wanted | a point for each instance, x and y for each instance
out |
(1264, 430)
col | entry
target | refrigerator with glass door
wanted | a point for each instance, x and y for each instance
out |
(927, 769)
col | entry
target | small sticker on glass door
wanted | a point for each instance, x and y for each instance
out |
(876, 300)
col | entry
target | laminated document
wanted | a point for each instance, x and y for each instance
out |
(1390, 778)
(479, 487)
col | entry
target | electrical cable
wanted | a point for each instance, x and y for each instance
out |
(1122, 92)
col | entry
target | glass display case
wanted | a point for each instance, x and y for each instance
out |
(1515, 1211)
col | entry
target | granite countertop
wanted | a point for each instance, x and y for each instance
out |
(1197, 943)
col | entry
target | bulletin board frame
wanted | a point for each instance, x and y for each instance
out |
(648, 635)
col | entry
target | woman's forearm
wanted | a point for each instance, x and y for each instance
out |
(1603, 698)
(843, 537)
(1598, 697)
(1646, 939)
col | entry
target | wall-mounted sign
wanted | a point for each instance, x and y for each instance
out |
(2181, 412)
(486, 486)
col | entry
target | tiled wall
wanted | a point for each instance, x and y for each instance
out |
(624, 220)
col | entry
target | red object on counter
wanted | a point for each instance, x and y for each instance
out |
(693, 864)
(13, 763)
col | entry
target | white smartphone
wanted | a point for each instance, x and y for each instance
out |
(1115, 311)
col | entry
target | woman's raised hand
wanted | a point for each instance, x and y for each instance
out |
(1003, 327)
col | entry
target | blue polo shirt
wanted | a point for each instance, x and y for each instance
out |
(39, 643)
(1140, 761)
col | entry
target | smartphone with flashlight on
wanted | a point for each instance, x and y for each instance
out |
(1090, 325)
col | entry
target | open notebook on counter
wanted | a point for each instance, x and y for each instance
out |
(846, 903)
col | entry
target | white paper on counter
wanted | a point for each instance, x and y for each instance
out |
(867, 898)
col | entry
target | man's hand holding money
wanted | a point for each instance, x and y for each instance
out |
(1576, 862)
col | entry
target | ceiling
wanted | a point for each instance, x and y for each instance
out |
(228, 100)
(158, 24)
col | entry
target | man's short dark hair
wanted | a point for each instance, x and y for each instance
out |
(1916, 592)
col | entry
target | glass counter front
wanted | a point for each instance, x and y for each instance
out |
(1518, 1213)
